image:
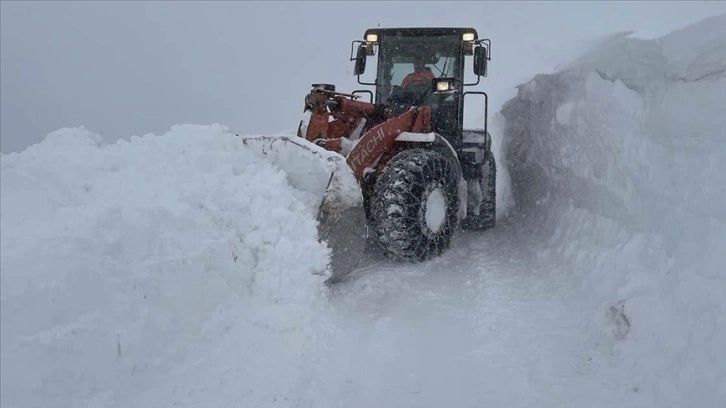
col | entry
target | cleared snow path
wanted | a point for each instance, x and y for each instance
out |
(489, 324)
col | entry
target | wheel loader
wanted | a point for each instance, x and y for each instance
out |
(420, 174)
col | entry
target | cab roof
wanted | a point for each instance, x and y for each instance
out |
(421, 31)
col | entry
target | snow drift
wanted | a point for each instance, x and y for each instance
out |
(617, 165)
(120, 258)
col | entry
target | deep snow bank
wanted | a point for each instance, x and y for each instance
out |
(118, 258)
(618, 166)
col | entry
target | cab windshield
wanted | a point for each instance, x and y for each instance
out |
(441, 56)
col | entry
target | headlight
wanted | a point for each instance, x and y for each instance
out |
(372, 37)
(467, 37)
(442, 86)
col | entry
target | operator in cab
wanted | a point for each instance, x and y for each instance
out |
(421, 73)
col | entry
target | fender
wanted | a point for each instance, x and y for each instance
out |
(380, 139)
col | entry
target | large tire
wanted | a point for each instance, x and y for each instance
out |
(489, 187)
(488, 212)
(415, 204)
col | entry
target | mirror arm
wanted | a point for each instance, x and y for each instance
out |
(478, 79)
(366, 83)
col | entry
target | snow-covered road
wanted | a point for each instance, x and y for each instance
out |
(488, 324)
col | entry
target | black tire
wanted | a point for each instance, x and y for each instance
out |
(489, 207)
(488, 213)
(399, 206)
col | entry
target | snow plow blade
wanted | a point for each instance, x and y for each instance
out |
(333, 190)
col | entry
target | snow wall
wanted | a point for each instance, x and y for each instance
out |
(618, 168)
(118, 260)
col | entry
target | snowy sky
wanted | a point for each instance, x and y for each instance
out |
(129, 68)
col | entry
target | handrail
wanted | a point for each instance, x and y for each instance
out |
(364, 91)
(486, 106)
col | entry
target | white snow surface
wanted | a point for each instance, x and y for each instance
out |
(618, 163)
(184, 270)
(118, 259)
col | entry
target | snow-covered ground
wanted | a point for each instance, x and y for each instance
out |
(183, 269)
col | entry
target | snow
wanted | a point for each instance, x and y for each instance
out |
(416, 137)
(317, 173)
(184, 269)
(619, 166)
(118, 259)
(435, 210)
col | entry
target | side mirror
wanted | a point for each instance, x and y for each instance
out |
(360, 61)
(480, 61)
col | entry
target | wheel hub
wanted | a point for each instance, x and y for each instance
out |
(435, 209)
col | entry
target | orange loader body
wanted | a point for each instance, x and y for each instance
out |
(335, 117)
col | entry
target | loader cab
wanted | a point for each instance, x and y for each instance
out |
(443, 51)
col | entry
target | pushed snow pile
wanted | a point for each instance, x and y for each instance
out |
(117, 258)
(309, 168)
(620, 163)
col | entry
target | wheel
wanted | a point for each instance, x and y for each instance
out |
(489, 188)
(484, 217)
(415, 204)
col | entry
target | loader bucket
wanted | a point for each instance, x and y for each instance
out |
(332, 188)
